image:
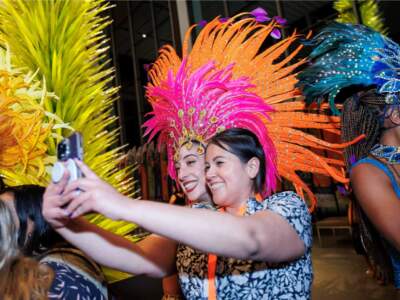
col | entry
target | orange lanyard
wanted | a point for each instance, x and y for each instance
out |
(212, 264)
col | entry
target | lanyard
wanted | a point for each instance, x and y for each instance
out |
(212, 258)
(212, 264)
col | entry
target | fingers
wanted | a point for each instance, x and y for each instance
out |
(58, 213)
(55, 216)
(69, 196)
(83, 209)
(63, 200)
(58, 188)
(84, 184)
(63, 193)
(79, 205)
(85, 169)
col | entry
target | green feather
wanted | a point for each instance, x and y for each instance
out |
(369, 11)
(64, 41)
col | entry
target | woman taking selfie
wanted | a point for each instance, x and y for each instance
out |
(205, 103)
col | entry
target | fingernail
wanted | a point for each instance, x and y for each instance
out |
(70, 215)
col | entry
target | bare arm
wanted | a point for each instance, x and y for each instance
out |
(378, 200)
(264, 236)
(153, 256)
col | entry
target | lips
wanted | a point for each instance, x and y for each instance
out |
(189, 186)
(215, 185)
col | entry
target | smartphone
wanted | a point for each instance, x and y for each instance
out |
(67, 150)
(70, 148)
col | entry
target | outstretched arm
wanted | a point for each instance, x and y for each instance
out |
(264, 236)
(153, 256)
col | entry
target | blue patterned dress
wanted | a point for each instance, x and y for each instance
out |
(246, 279)
(71, 281)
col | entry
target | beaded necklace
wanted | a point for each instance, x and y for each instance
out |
(390, 153)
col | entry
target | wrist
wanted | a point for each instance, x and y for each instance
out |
(126, 209)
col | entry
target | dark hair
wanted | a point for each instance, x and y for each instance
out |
(28, 205)
(245, 145)
(363, 113)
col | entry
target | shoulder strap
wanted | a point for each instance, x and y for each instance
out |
(384, 167)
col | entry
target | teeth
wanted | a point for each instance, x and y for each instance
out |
(189, 185)
(214, 186)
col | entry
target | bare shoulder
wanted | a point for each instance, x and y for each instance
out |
(371, 183)
(378, 200)
(368, 175)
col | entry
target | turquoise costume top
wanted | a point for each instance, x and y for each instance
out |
(393, 253)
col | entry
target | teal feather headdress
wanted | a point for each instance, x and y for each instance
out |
(345, 55)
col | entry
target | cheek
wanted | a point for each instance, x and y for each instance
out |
(200, 171)
(180, 184)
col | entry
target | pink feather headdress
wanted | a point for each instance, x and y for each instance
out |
(230, 79)
(195, 105)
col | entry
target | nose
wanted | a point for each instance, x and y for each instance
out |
(181, 174)
(210, 172)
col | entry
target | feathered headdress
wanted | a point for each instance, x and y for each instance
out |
(346, 55)
(196, 106)
(229, 60)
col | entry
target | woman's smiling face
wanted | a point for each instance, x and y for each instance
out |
(190, 173)
(228, 178)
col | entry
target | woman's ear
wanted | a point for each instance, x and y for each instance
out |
(252, 167)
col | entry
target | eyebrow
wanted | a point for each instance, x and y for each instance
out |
(189, 155)
(217, 157)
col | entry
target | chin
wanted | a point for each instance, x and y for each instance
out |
(219, 199)
(194, 195)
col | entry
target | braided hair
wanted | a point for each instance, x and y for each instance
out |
(363, 113)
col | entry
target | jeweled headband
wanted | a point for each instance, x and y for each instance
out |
(230, 79)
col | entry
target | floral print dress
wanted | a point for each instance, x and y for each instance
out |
(246, 279)
(75, 276)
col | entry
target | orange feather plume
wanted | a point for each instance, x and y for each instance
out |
(272, 70)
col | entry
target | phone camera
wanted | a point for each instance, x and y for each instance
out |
(63, 151)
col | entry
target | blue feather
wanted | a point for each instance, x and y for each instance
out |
(346, 55)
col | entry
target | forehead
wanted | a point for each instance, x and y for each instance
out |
(215, 150)
(192, 151)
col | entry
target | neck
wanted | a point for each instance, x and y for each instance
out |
(391, 137)
(204, 200)
(240, 207)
